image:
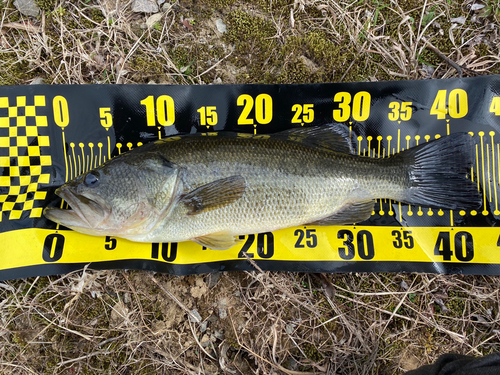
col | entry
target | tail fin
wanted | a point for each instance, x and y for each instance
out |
(438, 174)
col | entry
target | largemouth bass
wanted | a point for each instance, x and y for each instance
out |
(211, 189)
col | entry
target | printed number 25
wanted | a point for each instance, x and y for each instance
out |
(310, 235)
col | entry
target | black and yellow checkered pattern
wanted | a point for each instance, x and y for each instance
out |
(24, 157)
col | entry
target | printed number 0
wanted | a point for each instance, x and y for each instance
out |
(53, 247)
(61, 112)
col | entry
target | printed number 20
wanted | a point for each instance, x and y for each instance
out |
(263, 109)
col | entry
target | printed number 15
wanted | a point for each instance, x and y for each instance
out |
(208, 115)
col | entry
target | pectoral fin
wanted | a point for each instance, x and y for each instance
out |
(214, 195)
(349, 214)
(217, 241)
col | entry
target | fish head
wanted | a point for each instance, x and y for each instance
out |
(127, 195)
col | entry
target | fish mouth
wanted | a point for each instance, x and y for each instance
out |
(85, 213)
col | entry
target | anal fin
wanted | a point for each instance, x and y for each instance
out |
(217, 241)
(348, 214)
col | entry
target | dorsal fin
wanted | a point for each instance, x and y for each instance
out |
(331, 137)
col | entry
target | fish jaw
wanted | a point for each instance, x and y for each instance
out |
(86, 215)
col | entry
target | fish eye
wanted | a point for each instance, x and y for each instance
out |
(91, 179)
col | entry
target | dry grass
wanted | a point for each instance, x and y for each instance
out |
(117, 322)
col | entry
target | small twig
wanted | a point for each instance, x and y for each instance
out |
(60, 364)
(213, 66)
(459, 68)
(23, 26)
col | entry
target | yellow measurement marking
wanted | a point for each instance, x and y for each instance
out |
(440, 213)
(359, 144)
(89, 166)
(381, 212)
(391, 212)
(109, 148)
(130, 145)
(119, 147)
(83, 156)
(70, 168)
(408, 141)
(419, 212)
(330, 247)
(430, 213)
(437, 136)
(65, 156)
(389, 138)
(462, 213)
(369, 138)
(79, 165)
(417, 138)
(472, 167)
(492, 134)
(139, 144)
(100, 151)
(74, 157)
(159, 133)
(451, 217)
(481, 134)
(410, 212)
(400, 212)
(488, 165)
(447, 127)
(91, 145)
(255, 129)
(477, 168)
(427, 137)
(399, 136)
(498, 165)
(379, 139)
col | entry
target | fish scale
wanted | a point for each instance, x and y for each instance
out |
(287, 184)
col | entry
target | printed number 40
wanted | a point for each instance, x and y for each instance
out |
(495, 106)
(455, 104)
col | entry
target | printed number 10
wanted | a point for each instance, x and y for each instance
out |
(164, 111)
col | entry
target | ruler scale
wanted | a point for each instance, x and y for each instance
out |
(52, 134)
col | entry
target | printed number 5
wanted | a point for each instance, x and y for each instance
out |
(106, 118)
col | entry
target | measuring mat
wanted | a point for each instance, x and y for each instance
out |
(51, 134)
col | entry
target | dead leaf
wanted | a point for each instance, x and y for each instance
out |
(187, 24)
